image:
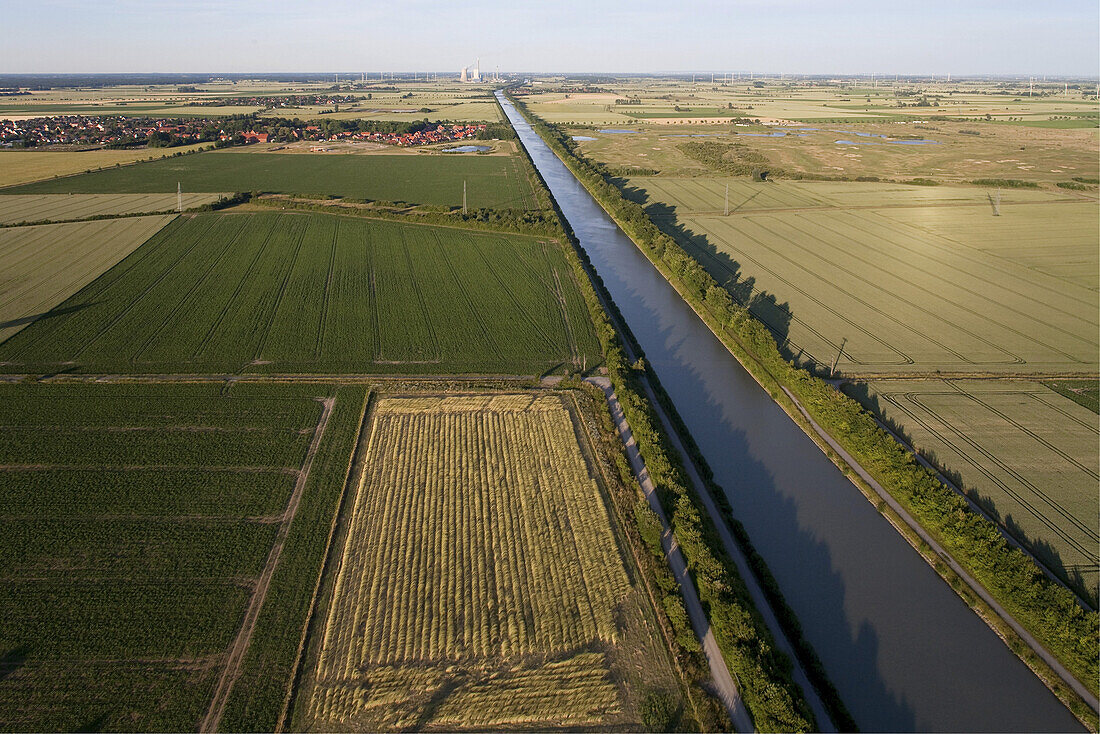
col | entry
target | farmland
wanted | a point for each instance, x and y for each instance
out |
(907, 288)
(318, 293)
(491, 181)
(139, 520)
(43, 265)
(678, 101)
(1024, 452)
(18, 208)
(884, 279)
(479, 583)
(961, 132)
(443, 100)
(945, 152)
(21, 167)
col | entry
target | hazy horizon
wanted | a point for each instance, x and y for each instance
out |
(981, 38)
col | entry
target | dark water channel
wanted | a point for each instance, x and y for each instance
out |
(903, 650)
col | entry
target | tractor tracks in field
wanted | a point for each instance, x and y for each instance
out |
(232, 669)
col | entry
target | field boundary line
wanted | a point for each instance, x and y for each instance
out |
(394, 219)
(861, 207)
(75, 174)
(352, 476)
(240, 645)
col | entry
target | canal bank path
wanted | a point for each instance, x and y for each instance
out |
(724, 685)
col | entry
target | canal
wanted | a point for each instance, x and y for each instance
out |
(905, 653)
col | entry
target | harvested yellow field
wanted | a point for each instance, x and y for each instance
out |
(16, 208)
(24, 166)
(43, 265)
(480, 583)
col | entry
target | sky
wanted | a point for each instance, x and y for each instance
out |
(1004, 37)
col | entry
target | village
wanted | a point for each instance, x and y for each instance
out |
(123, 131)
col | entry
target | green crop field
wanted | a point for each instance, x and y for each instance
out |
(138, 522)
(318, 293)
(43, 265)
(491, 181)
(17, 208)
(480, 583)
(1023, 451)
(921, 281)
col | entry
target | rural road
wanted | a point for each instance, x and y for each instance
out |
(756, 593)
(946, 557)
(723, 681)
(244, 635)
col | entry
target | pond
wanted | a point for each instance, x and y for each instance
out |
(467, 149)
(616, 131)
(580, 138)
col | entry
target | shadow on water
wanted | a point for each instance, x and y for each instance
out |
(756, 485)
(1041, 548)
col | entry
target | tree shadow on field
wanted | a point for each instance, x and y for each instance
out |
(23, 320)
(723, 268)
(93, 725)
(1039, 547)
(13, 659)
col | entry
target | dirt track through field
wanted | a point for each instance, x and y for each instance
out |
(232, 669)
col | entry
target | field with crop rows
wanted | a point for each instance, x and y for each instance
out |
(43, 265)
(703, 196)
(480, 583)
(1027, 452)
(491, 181)
(16, 208)
(916, 289)
(136, 522)
(319, 293)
